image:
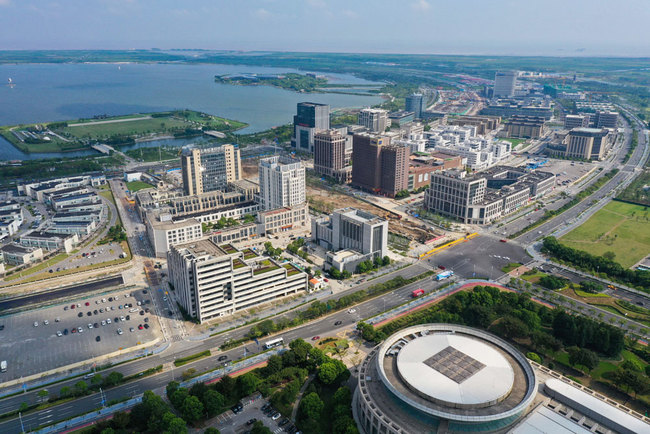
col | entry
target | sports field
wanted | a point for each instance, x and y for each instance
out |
(620, 228)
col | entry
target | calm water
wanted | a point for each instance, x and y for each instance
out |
(55, 92)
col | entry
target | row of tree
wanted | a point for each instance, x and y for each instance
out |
(596, 264)
(513, 316)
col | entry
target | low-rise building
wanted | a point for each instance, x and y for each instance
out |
(283, 219)
(527, 127)
(50, 241)
(58, 203)
(487, 196)
(352, 236)
(483, 124)
(576, 121)
(79, 216)
(9, 228)
(233, 234)
(212, 281)
(164, 233)
(15, 254)
(36, 190)
(81, 228)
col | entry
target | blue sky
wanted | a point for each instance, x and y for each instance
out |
(548, 27)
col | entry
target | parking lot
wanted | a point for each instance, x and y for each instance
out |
(241, 422)
(94, 255)
(39, 340)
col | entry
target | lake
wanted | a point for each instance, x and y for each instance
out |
(57, 92)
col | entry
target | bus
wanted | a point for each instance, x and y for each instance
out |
(418, 292)
(274, 343)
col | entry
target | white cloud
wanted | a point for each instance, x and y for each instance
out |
(348, 13)
(5, 2)
(262, 13)
(420, 5)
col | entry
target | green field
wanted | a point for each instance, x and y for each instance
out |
(116, 131)
(141, 125)
(134, 186)
(619, 227)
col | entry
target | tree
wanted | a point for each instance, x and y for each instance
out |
(259, 428)
(213, 402)
(65, 392)
(178, 397)
(330, 370)
(96, 380)
(311, 406)
(172, 387)
(114, 378)
(343, 396)
(584, 357)
(198, 389)
(247, 383)
(80, 388)
(609, 255)
(273, 365)
(191, 409)
(121, 420)
(42, 394)
(211, 430)
(266, 327)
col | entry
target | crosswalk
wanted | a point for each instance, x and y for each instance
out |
(176, 338)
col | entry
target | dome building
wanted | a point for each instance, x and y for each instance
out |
(443, 378)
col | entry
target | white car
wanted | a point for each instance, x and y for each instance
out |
(35, 323)
(122, 318)
(46, 322)
(352, 310)
(90, 325)
(119, 331)
(103, 323)
(59, 334)
(108, 321)
(80, 330)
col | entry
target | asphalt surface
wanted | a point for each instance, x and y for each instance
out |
(62, 293)
(322, 327)
(31, 346)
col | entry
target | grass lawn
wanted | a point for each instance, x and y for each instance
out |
(533, 278)
(619, 227)
(58, 258)
(511, 266)
(514, 142)
(139, 126)
(134, 186)
(602, 368)
(589, 294)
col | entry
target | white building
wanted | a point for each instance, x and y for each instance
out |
(15, 254)
(50, 241)
(282, 183)
(375, 120)
(213, 281)
(164, 233)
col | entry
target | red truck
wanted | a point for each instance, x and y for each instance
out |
(417, 293)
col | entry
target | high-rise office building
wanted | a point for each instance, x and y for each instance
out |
(331, 158)
(282, 183)
(375, 120)
(209, 169)
(366, 160)
(310, 118)
(504, 84)
(380, 167)
(415, 104)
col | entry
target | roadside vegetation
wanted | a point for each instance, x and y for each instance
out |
(595, 353)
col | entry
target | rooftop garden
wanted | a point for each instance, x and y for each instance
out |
(249, 254)
(228, 248)
(264, 266)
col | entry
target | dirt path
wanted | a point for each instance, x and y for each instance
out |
(114, 121)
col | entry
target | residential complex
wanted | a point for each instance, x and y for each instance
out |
(350, 236)
(486, 196)
(576, 121)
(606, 119)
(282, 183)
(16, 254)
(332, 155)
(209, 169)
(50, 241)
(483, 124)
(211, 281)
(383, 168)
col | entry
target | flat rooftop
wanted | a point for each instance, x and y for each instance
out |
(16, 249)
(202, 247)
(46, 235)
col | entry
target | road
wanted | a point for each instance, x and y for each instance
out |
(625, 175)
(62, 293)
(321, 327)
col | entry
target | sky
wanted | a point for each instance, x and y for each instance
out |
(499, 27)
